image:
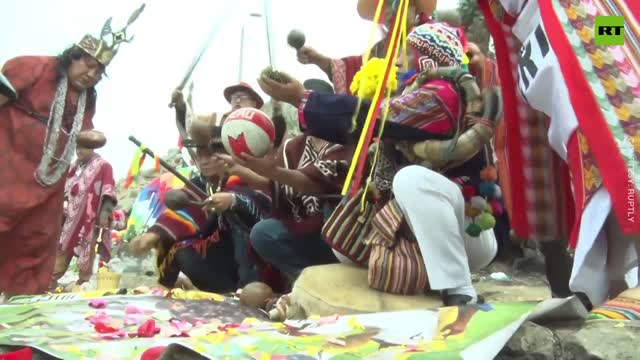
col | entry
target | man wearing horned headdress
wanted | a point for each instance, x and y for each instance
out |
(39, 128)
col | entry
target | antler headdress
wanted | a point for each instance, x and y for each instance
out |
(104, 50)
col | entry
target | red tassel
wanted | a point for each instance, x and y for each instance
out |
(156, 169)
(463, 38)
(129, 180)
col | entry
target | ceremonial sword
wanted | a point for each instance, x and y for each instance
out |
(217, 25)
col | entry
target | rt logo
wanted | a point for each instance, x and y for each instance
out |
(609, 30)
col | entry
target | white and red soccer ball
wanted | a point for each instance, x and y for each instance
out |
(249, 131)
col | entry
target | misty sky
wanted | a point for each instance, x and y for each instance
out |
(133, 100)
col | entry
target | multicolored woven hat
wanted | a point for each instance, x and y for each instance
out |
(437, 45)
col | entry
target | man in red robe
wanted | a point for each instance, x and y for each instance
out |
(90, 198)
(38, 132)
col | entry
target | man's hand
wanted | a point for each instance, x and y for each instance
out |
(177, 99)
(308, 55)
(226, 162)
(476, 60)
(264, 166)
(292, 92)
(144, 243)
(235, 167)
(220, 202)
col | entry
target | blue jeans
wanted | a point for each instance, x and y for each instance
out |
(247, 268)
(290, 254)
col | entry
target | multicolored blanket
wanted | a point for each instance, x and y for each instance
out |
(124, 327)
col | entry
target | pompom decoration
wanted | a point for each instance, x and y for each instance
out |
(473, 230)
(488, 209)
(489, 174)
(478, 202)
(486, 221)
(496, 207)
(469, 191)
(486, 189)
(471, 212)
(366, 80)
(465, 62)
(498, 192)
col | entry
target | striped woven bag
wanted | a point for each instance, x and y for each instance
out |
(395, 265)
(348, 227)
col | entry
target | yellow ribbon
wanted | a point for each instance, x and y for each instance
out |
(135, 164)
(400, 19)
(385, 116)
(354, 120)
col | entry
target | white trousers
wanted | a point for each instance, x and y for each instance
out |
(434, 208)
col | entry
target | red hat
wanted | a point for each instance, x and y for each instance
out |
(244, 87)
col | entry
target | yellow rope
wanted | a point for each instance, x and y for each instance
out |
(354, 120)
(385, 116)
(400, 18)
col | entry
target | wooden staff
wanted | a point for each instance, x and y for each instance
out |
(169, 168)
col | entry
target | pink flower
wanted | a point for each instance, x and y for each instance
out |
(113, 336)
(131, 309)
(169, 331)
(98, 304)
(328, 320)
(100, 316)
(158, 292)
(181, 325)
(131, 320)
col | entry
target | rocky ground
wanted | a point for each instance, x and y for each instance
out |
(562, 340)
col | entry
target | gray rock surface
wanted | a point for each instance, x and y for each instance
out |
(600, 339)
(533, 341)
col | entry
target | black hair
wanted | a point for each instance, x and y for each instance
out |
(70, 54)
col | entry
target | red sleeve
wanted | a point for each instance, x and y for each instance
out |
(342, 73)
(23, 71)
(108, 182)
